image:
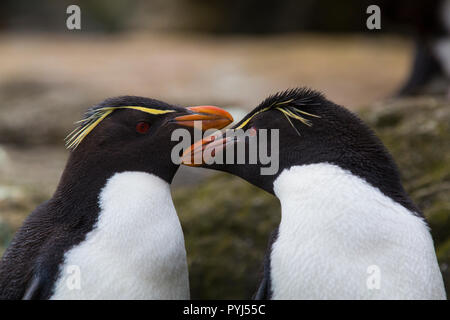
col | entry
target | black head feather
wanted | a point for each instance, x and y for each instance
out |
(324, 133)
(295, 96)
(97, 113)
(291, 103)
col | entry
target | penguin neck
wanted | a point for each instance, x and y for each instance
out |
(85, 176)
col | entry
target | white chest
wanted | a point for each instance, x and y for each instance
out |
(340, 238)
(135, 251)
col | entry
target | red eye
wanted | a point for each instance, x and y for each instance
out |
(142, 127)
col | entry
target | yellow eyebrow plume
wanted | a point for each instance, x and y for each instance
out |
(88, 124)
(288, 112)
(147, 110)
(79, 136)
(243, 124)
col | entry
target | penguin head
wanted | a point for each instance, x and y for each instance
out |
(132, 133)
(311, 129)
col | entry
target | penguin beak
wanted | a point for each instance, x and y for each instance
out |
(210, 117)
(198, 153)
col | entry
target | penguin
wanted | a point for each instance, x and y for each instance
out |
(348, 229)
(110, 230)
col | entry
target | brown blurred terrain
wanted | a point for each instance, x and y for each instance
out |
(47, 81)
(189, 67)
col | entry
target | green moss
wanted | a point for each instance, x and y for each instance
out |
(226, 222)
(388, 120)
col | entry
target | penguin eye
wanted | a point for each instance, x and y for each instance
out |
(142, 127)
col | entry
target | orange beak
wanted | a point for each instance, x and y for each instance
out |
(194, 155)
(210, 117)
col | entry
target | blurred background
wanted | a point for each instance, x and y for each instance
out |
(232, 54)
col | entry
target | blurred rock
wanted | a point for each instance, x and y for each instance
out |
(226, 222)
(16, 202)
(4, 159)
(38, 112)
(5, 236)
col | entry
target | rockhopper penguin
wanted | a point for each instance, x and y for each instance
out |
(348, 229)
(110, 231)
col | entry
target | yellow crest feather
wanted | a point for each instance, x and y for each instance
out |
(287, 112)
(88, 124)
